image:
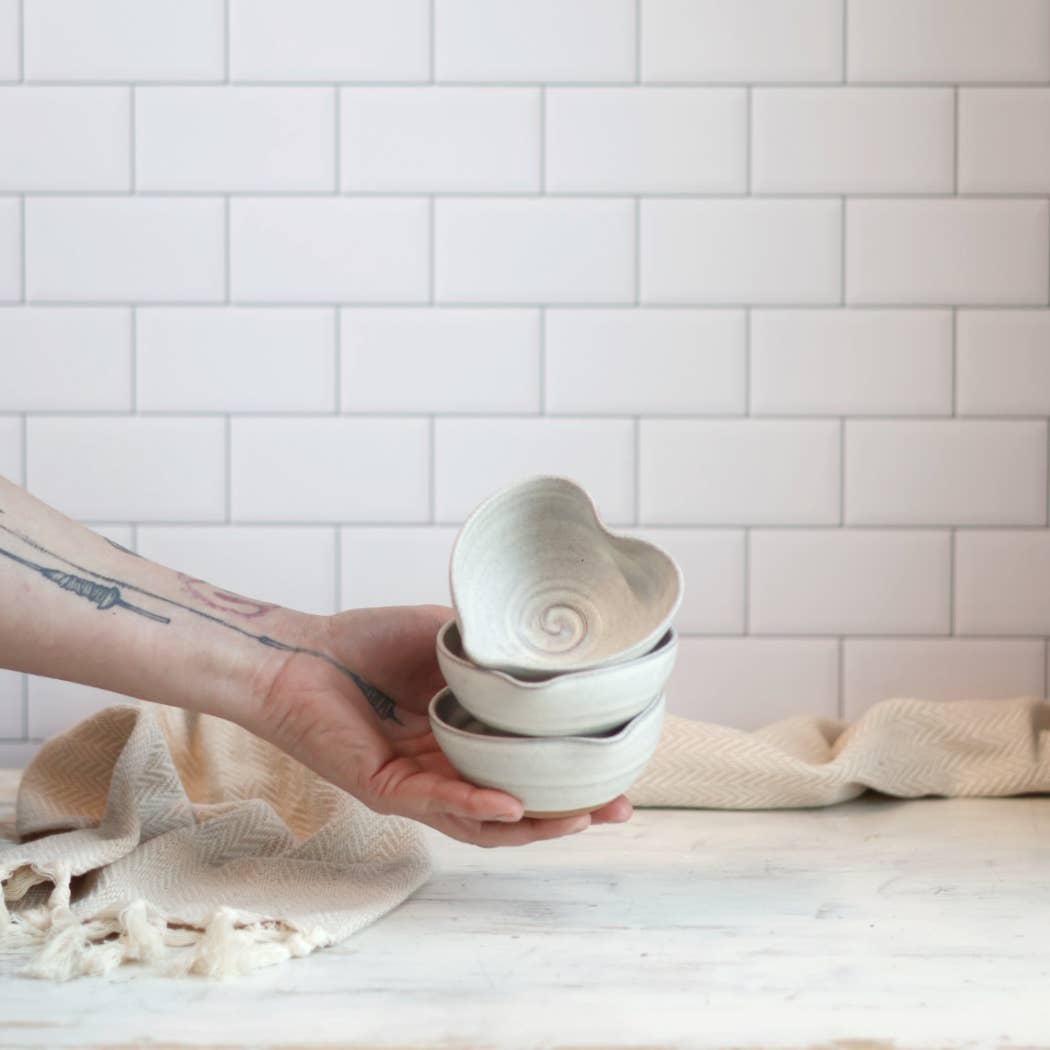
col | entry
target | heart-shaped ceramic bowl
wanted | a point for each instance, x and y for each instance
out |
(552, 776)
(541, 587)
(564, 705)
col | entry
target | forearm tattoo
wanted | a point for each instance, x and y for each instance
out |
(109, 594)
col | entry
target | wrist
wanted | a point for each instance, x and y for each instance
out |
(278, 638)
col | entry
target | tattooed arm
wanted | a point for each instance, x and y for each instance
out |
(346, 694)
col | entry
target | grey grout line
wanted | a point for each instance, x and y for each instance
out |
(637, 251)
(459, 304)
(132, 144)
(705, 527)
(423, 82)
(432, 42)
(951, 582)
(337, 359)
(432, 470)
(843, 212)
(1046, 473)
(955, 361)
(337, 130)
(747, 582)
(845, 42)
(842, 471)
(226, 250)
(749, 151)
(543, 140)
(955, 140)
(637, 41)
(747, 363)
(25, 707)
(637, 436)
(481, 196)
(337, 582)
(228, 479)
(542, 323)
(22, 262)
(364, 415)
(431, 251)
(226, 41)
(133, 359)
(20, 28)
(1046, 668)
(840, 706)
(24, 432)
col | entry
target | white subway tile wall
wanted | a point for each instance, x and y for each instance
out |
(288, 286)
(285, 565)
(434, 139)
(106, 40)
(112, 249)
(1004, 140)
(65, 138)
(225, 139)
(12, 447)
(1003, 362)
(11, 250)
(10, 40)
(66, 359)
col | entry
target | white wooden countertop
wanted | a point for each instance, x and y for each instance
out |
(874, 925)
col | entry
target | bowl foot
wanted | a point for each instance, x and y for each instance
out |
(554, 814)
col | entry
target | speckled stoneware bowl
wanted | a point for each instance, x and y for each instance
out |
(541, 587)
(552, 776)
(578, 702)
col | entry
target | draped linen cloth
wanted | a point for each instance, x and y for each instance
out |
(146, 833)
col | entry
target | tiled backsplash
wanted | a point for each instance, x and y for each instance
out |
(290, 285)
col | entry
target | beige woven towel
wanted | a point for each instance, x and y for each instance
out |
(197, 846)
(906, 748)
(210, 851)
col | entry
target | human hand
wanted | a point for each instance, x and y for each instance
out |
(316, 709)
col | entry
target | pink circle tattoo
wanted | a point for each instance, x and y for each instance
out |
(224, 601)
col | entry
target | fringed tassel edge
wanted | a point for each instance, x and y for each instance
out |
(227, 944)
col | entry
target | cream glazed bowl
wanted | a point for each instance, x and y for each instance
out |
(577, 702)
(550, 776)
(541, 587)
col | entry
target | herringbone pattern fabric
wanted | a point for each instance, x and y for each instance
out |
(192, 833)
(212, 827)
(906, 748)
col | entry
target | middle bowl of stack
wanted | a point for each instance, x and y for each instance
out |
(559, 653)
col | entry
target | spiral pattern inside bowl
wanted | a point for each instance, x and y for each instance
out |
(553, 619)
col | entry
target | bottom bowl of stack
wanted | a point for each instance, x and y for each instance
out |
(551, 776)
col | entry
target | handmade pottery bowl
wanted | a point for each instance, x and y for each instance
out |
(567, 704)
(541, 587)
(551, 776)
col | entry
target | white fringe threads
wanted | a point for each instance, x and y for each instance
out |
(227, 944)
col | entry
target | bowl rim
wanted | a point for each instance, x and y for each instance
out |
(580, 492)
(628, 729)
(664, 647)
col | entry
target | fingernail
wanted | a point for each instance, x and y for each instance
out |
(580, 824)
(508, 818)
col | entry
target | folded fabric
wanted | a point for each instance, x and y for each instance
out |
(906, 748)
(150, 834)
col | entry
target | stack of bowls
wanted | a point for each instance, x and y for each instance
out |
(558, 656)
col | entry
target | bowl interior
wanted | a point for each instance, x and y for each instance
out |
(541, 587)
(450, 640)
(453, 715)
